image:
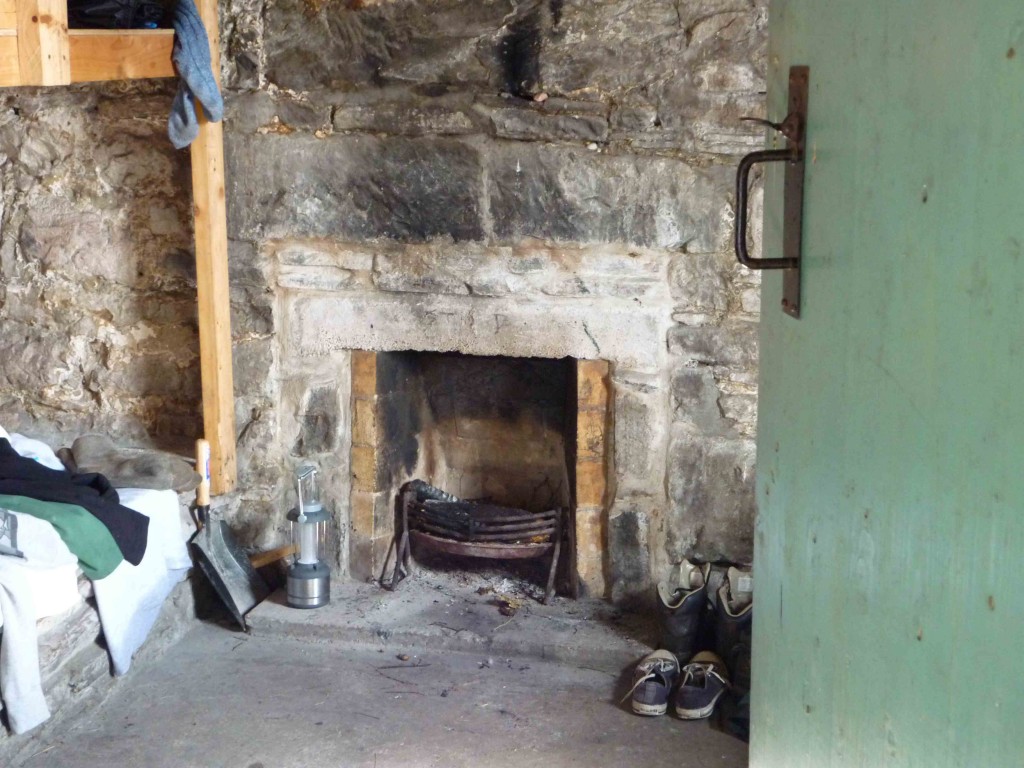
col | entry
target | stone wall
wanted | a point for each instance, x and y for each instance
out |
(97, 282)
(405, 173)
(430, 158)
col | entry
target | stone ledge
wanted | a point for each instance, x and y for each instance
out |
(613, 330)
(418, 615)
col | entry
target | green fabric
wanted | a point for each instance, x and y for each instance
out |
(88, 538)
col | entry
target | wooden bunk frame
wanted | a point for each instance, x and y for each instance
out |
(37, 48)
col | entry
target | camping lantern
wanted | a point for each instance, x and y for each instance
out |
(309, 577)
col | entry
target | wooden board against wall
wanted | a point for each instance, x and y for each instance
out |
(212, 282)
(8, 14)
(9, 69)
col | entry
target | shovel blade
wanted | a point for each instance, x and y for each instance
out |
(228, 569)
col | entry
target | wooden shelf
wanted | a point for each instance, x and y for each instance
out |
(102, 54)
(42, 55)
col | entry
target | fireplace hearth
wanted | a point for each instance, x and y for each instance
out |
(431, 520)
(510, 441)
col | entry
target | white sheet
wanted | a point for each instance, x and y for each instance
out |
(35, 450)
(51, 571)
(129, 599)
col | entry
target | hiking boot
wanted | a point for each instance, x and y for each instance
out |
(653, 680)
(704, 680)
(734, 616)
(681, 603)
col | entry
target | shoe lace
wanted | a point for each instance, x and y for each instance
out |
(637, 684)
(691, 672)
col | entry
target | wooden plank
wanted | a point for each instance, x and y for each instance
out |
(8, 14)
(272, 556)
(212, 282)
(100, 54)
(43, 42)
(10, 73)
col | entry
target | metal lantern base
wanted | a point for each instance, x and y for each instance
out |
(309, 586)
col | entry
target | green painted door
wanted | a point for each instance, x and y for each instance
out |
(889, 622)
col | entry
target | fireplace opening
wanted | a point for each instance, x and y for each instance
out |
(500, 434)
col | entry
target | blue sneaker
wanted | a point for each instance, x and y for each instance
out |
(704, 681)
(653, 680)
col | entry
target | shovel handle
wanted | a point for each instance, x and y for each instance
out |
(203, 468)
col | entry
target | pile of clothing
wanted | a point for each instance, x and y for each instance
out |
(129, 543)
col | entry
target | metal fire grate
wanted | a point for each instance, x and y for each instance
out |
(438, 521)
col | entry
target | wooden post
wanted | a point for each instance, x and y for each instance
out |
(212, 281)
(43, 57)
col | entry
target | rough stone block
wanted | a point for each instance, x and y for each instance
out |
(360, 558)
(351, 46)
(253, 366)
(383, 515)
(379, 546)
(593, 387)
(629, 561)
(559, 121)
(591, 434)
(700, 282)
(265, 112)
(733, 344)
(351, 257)
(567, 194)
(359, 187)
(741, 408)
(591, 482)
(697, 400)
(364, 421)
(640, 433)
(252, 311)
(318, 278)
(366, 470)
(591, 531)
(408, 114)
(711, 486)
(627, 119)
(363, 504)
(628, 334)
(364, 373)
(528, 269)
(318, 419)
(591, 577)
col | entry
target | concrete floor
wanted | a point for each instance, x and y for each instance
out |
(221, 698)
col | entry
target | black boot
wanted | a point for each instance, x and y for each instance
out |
(682, 608)
(733, 629)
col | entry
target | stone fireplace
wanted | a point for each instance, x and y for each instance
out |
(527, 433)
(534, 377)
(416, 197)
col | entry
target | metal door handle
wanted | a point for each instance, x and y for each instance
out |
(793, 127)
(742, 193)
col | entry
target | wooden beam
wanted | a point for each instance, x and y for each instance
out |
(8, 14)
(210, 209)
(43, 42)
(105, 54)
(10, 72)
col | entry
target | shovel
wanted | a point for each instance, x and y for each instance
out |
(218, 554)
